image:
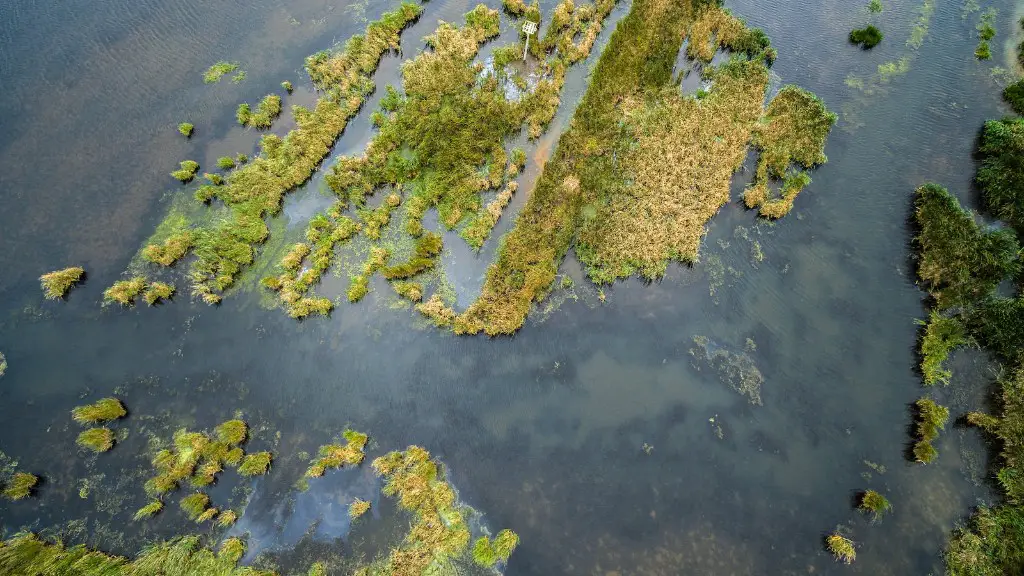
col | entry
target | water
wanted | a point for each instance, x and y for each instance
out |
(541, 432)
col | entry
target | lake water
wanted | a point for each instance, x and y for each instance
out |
(541, 432)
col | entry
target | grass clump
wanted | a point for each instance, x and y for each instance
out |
(226, 162)
(875, 6)
(186, 129)
(358, 508)
(96, 439)
(149, 510)
(337, 455)
(173, 248)
(875, 503)
(488, 553)
(941, 336)
(100, 411)
(931, 419)
(232, 432)
(157, 291)
(287, 86)
(187, 171)
(986, 32)
(124, 291)
(1014, 96)
(19, 486)
(57, 283)
(841, 547)
(958, 261)
(256, 464)
(215, 72)
(266, 111)
(194, 505)
(197, 457)
(1001, 172)
(867, 37)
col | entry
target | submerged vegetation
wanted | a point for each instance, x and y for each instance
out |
(57, 283)
(867, 37)
(19, 486)
(931, 419)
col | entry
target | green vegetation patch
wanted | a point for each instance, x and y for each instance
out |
(1001, 173)
(157, 291)
(874, 503)
(187, 171)
(186, 129)
(266, 111)
(149, 510)
(439, 533)
(931, 419)
(256, 464)
(124, 292)
(488, 553)
(214, 73)
(100, 411)
(841, 547)
(357, 508)
(96, 439)
(867, 37)
(331, 456)
(959, 262)
(57, 283)
(941, 336)
(1014, 96)
(19, 486)
(986, 32)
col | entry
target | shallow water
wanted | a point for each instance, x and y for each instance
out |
(541, 432)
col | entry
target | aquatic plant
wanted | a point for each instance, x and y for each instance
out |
(26, 554)
(931, 419)
(437, 311)
(241, 158)
(958, 261)
(873, 502)
(287, 86)
(317, 569)
(243, 114)
(3, 364)
(214, 179)
(841, 547)
(1014, 96)
(225, 246)
(409, 290)
(986, 32)
(488, 553)
(57, 283)
(186, 129)
(187, 171)
(158, 291)
(239, 77)
(194, 505)
(232, 432)
(439, 532)
(96, 439)
(100, 411)
(358, 508)
(868, 37)
(256, 464)
(226, 162)
(983, 51)
(1000, 173)
(19, 486)
(875, 6)
(124, 291)
(171, 250)
(149, 510)
(266, 111)
(226, 518)
(941, 336)
(351, 453)
(483, 552)
(214, 73)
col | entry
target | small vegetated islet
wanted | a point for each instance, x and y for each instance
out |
(874, 503)
(841, 547)
(215, 72)
(56, 284)
(19, 486)
(986, 32)
(867, 37)
(186, 129)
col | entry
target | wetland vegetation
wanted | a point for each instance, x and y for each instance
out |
(56, 284)
(867, 37)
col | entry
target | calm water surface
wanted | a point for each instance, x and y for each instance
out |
(541, 432)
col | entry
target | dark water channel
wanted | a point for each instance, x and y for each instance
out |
(542, 432)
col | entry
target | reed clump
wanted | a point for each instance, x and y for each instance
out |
(958, 261)
(1001, 174)
(931, 419)
(266, 111)
(149, 510)
(103, 410)
(874, 503)
(96, 439)
(1014, 96)
(186, 129)
(867, 37)
(941, 336)
(56, 284)
(337, 455)
(287, 86)
(124, 291)
(194, 505)
(488, 553)
(172, 249)
(841, 547)
(215, 72)
(256, 464)
(157, 291)
(19, 486)
(358, 508)
(187, 171)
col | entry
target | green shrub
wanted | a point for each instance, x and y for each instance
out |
(187, 171)
(868, 37)
(186, 129)
(1014, 95)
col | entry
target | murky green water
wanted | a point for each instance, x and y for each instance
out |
(542, 432)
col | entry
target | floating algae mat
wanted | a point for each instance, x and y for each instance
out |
(640, 170)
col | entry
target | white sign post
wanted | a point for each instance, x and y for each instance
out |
(529, 28)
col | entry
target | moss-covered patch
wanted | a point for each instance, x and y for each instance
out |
(57, 283)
